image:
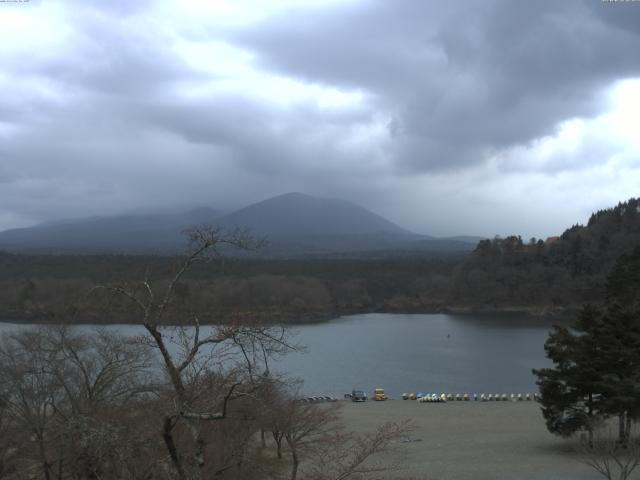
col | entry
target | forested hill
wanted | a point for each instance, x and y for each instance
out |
(557, 272)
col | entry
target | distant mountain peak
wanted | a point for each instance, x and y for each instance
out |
(299, 197)
(299, 214)
(292, 195)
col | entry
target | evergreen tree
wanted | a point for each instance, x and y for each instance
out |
(623, 284)
(617, 334)
(596, 373)
(570, 392)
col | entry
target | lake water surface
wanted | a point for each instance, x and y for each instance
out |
(403, 353)
(429, 353)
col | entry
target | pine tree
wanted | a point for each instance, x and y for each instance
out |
(618, 362)
(596, 373)
(570, 392)
(623, 284)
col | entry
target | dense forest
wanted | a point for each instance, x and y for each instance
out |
(554, 275)
(62, 288)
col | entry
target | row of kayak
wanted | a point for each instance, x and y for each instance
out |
(466, 397)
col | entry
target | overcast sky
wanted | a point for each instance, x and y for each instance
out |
(448, 117)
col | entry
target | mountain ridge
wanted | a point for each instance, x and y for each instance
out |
(295, 224)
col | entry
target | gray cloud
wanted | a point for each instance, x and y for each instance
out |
(113, 117)
(460, 77)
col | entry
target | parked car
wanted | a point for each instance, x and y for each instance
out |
(358, 396)
(378, 394)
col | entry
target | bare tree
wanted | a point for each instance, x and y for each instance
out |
(318, 446)
(304, 425)
(7, 441)
(207, 367)
(57, 389)
(342, 455)
(31, 395)
(103, 376)
(612, 459)
(96, 406)
(276, 404)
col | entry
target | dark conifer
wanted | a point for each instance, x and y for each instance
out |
(596, 373)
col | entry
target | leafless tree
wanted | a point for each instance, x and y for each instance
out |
(30, 393)
(317, 444)
(609, 457)
(276, 403)
(306, 423)
(346, 455)
(7, 441)
(96, 406)
(207, 367)
(57, 387)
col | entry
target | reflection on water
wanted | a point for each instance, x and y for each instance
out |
(429, 353)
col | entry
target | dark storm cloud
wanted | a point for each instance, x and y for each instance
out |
(621, 15)
(268, 140)
(108, 113)
(461, 78)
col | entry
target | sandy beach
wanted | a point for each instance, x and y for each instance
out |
(471, 440)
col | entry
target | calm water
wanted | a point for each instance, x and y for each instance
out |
(430, 353)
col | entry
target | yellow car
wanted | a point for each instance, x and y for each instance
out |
(378, 394)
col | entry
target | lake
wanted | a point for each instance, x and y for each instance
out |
(404, 353)
(429, 353)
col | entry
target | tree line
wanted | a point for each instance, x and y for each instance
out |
(61, 289)
(558, 273)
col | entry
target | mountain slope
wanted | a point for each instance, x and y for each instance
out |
(297, 214)
(156, 233)
(294, 225)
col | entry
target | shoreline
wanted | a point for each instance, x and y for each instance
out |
(310, 318)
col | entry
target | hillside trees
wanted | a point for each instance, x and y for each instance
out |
(560, 272)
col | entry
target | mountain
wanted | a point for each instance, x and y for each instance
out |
(150, 233)
(294, 225)
(299, 215)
